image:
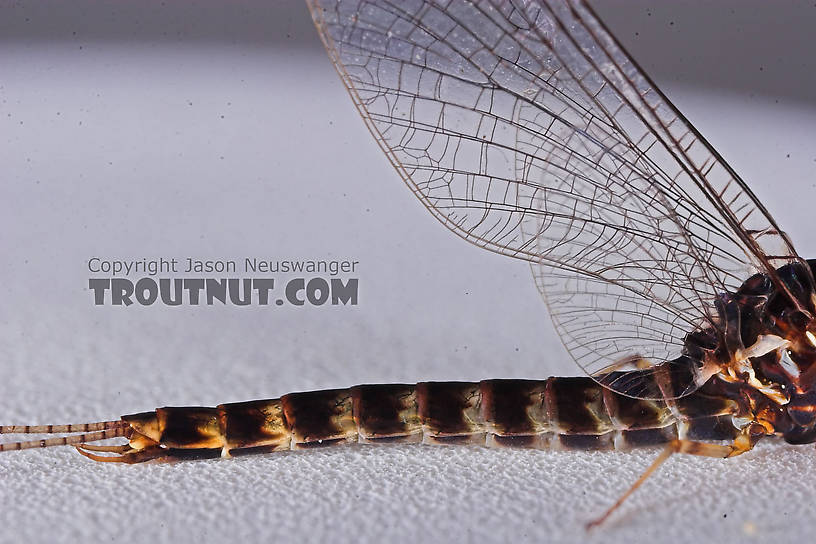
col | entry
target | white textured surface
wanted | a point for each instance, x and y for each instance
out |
(121, 150)
(409, 494)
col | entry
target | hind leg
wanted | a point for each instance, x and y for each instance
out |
(744, 442)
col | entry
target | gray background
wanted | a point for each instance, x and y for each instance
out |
(221, 130)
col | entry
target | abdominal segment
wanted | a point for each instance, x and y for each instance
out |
(556, 413)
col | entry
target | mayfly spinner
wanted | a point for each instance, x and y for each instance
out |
(526, 129)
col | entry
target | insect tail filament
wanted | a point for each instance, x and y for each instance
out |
(70, 428)
(89, 432)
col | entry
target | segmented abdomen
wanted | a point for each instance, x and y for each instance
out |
(557, 413)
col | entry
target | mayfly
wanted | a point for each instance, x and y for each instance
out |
(526, 129)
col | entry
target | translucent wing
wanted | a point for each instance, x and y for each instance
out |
(527, 130)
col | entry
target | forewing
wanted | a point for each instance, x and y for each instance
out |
(525, 129)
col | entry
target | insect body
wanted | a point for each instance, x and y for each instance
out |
(768, 397)
(526, 129)
(559, 413)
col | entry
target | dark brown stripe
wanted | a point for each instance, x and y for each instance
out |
(576, 406)
(632, 414)
(254, 450)
(255, 423)
(320, 443)
(517, 441)
(592, 442)
(398, 439)
(457, 440)
(514, 407)
(647, 437)
(386, 411)
(192, 453)
(189, 427)
(450, 408)
(711, 428)
(711, 399)
(317, 416)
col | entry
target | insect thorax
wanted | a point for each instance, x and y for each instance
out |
(764, 349)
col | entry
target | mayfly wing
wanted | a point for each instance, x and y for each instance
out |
(686, 226)
(526, 129)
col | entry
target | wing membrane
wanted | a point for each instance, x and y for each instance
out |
(527, 130)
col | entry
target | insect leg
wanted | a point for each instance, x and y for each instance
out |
(743, 443)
